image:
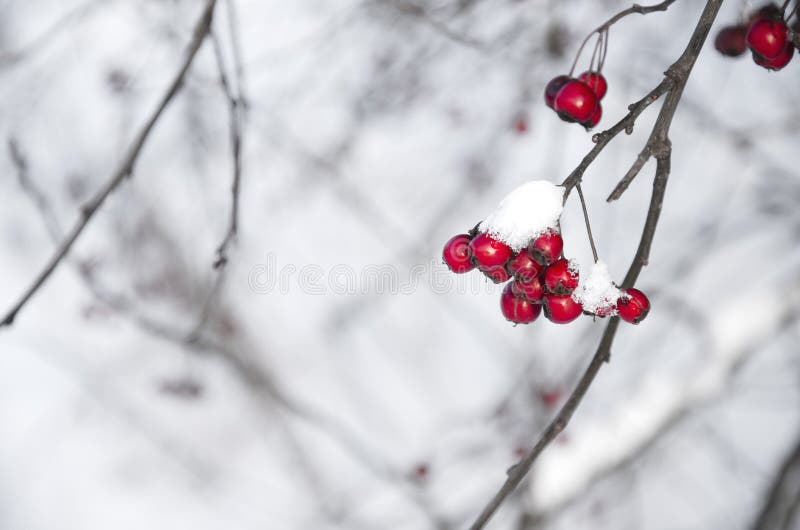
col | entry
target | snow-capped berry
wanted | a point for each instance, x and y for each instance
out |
(731, 41)
(457, 254)
(561, 308)
(516, 309)
(497, 275)
(546, 248)
(634, 306)
(488, 252)
(523, 266)
(767, 37)
(778, 62)
(531, 289)
(596, 82)
(560, 277)
(575, 101)
(552, 88)
(594, 119)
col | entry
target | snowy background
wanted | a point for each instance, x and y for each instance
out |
(342, 378)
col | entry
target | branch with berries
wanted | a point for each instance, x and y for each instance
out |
(521, 241)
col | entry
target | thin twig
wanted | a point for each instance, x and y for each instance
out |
(678, 73)
(586, 220)
(235, 121)
(125, 169)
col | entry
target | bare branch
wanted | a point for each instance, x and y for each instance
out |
(126, 168)
(676, 78)
(782, 506)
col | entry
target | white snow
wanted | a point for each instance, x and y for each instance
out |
(596, 291)
(525, 213)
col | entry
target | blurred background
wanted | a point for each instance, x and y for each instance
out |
(333, 374)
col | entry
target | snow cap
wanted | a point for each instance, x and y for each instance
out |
(596, 292)
(525, 213)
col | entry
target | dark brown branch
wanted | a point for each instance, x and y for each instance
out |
(782, 506)
(125, 169)
(676, 78)
(602, 139)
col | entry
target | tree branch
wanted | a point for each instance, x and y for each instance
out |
(126, 168)
(782, 506)
(675, 78)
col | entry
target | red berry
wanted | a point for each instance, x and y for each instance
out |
(778, 62)
(596, 82)
(523, 266)
(420, 471)
(550, 397)
(488, 252)
(531, 290)
(731, 41)
(458, 255)
(552, 88)
(516, 309)
(561, 308)
(767, 37)
(575, 101)
(594, 119)
(521, 125)
(547, 247)
(634, 307)
(560, 277)
(497, 275)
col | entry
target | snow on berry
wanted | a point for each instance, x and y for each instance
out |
(596, 292)
(526, 212)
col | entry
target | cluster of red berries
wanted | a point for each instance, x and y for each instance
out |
(766, 34)
(577, 100)
(542, 278)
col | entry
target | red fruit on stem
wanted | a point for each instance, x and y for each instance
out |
(575, 101)
(778, 62)
(523, 266)
(531, 290)
(596, 82)
(516, 309)
(767, 37)
(552, 88)
(547, 247)
(488, 252)
(634, 307)
(731, 41)
(457, 254)
(497, 275)
(560, 277)
(561, 308)
(594, 119)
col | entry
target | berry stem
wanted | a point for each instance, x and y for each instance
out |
(586, 220)
(635, 8)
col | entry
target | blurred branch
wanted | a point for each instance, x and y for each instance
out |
(10, 58)
(782, 505)
(201, 30)
(676, 77)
